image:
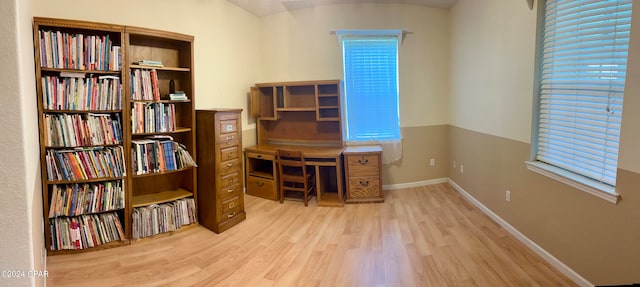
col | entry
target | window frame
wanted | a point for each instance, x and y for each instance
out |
(398, 35)
(578, 181)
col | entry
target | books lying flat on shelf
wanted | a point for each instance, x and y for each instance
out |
(85, 231)
(178, 96)
(159, 218)
(149, 63)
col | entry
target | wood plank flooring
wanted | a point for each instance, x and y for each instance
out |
(424, 236)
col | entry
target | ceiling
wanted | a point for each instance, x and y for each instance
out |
(266, 7)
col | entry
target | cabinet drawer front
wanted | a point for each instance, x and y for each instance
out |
(364, 187)
(228, 180)
(260, 156)
(228, 153)
(229, 191)
(230, 207)
(228, 124)
(363, 165)
(228, 139)
(262, 187)
(228, 166)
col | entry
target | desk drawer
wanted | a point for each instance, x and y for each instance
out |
(364, 187)
(260, 156)
(261, 187)
(228, 139)
(363, 165)
(227, 123)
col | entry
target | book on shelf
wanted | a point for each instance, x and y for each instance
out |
(178, 96)
(85, 198)
(159, 154)
(160, 218)
(62, 50)
(82, 94)
(151, 63)
(85, 163)
(85, 231)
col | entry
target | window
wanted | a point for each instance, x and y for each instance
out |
(583, 58)
(370, 61)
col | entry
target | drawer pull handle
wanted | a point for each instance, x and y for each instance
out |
(230, 190)
(260, 183)
(259, 156)
(366, 161)
(229, 164)
(364, 183)
(231, 215)
(232, 205)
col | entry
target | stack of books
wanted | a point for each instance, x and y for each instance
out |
(150, 63)
(178, 96)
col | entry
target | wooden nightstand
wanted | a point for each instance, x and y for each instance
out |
(363, 169)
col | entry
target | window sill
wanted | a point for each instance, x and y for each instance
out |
(587, 185)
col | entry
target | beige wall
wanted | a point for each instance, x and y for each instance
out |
(491, 102)
(297, 46)
(492, 47)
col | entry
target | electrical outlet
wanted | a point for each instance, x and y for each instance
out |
(461, 168)
(432, 162)
(508, 196)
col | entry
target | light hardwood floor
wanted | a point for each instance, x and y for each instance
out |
(424, 236)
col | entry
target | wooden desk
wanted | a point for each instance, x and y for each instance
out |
(262, 179)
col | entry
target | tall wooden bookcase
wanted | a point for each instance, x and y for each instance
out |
(85, 81)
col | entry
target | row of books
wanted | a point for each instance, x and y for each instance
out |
(64, 50)
(86, 163)
(79, 93)
(159, 218)
(85, 231)
(144, 85)
(152, 117)
(77, 199)
(64, 130)
(159, 154)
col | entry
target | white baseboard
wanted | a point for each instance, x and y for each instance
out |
(415, 183)
(575, 277)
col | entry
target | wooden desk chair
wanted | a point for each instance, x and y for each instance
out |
(294, 178)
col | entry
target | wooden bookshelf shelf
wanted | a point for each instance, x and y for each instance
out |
(111, 244)
(83, 180)
(109, 72)
(310, 109)
(162, 101)
(83, 146)
(81, 111)
(175, 69)
(163, 173)
(177, 131)
(160, 197)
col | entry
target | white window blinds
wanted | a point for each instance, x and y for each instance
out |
(371, 87)
(584, 63)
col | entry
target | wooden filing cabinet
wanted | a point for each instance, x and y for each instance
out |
(363, 170)
(261, 173)
(219, 150)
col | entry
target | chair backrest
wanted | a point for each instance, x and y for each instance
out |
(291, 163)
